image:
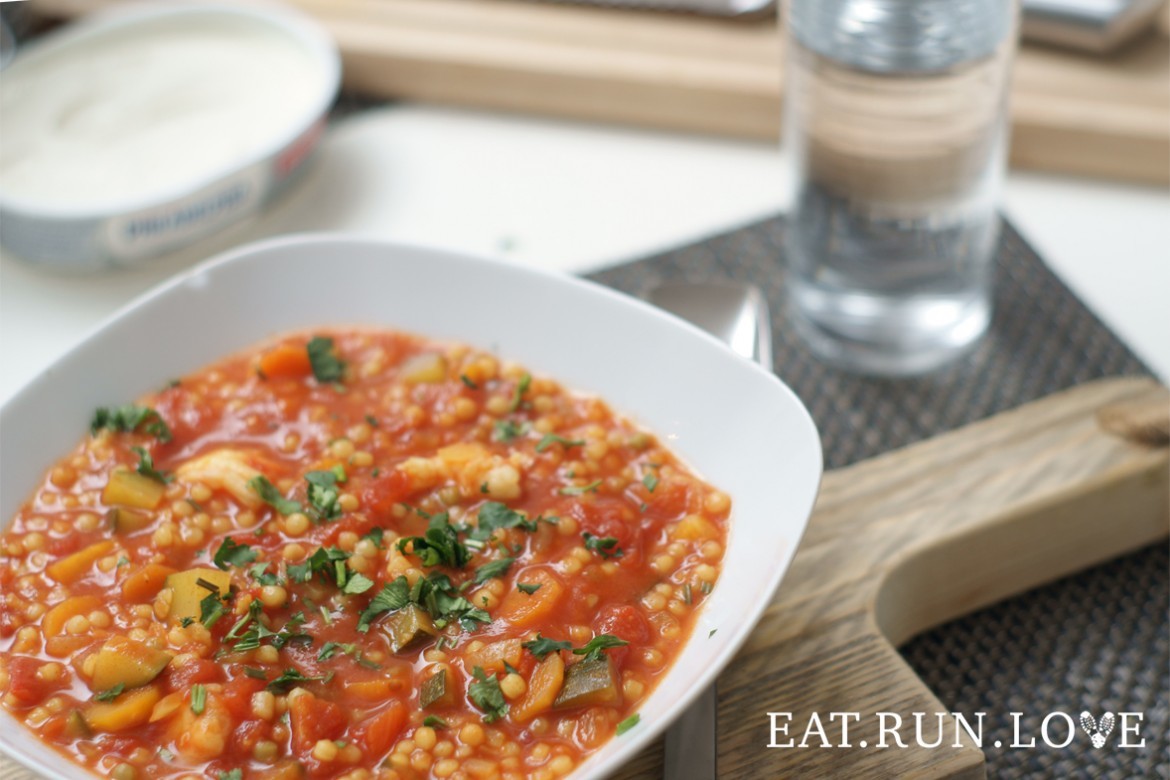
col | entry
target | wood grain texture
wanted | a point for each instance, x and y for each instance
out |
(900, 543)
(1072, 113)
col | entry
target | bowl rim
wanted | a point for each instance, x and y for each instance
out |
(299, 28)
(732, 637)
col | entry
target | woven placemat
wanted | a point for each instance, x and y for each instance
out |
(1099, 640)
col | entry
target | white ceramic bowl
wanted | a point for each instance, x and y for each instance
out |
(147, 221)
(736, 424)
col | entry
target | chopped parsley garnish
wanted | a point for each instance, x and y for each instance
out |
(259, 572)
(231, 553)
(705, 587)
(323, 494)
(325, 561)
(435, 594)
(650, 481)
(529, 588)
(549, 439)
(146, 467)
(394, 595)
(327, 367)
(371, 421)
(254, 673)
(234, 774)
(466, 380)
(330, 649)
(518, 395)
(577, 490)
(198, 698)
(540, 647)
(213, 606)
(439, 545)
(592, 649)
(110, 693)
(494, 569)
(271, 496)
(435, 722)
(129, 418)
(507, 430)
(605, 546)
(375, 535)
(494, 516)
(686, 592)
(628, 724)
(290, 678)
(711, 633)
(357, 583)
(485, 694)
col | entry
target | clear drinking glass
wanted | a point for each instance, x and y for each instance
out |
(896, 126)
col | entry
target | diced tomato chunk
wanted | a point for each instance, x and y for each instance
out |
(195, 670)
(26, 685)
(386, 491)
(313, 719)
(248, 733)
(237, 696)
(625, 622)
(378, 734)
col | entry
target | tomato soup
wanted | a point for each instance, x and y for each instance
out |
(352, 554)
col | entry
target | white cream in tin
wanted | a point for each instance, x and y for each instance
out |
(149, 110)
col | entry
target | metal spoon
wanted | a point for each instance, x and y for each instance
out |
(737, 314)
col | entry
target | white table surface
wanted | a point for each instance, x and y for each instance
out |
(578, 197)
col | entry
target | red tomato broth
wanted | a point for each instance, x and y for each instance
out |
(415, 436)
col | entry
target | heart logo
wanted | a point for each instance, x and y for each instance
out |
(1098, 731)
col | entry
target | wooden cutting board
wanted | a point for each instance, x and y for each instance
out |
(1071, 113)
(910, 539)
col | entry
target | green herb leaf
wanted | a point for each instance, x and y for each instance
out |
(146, 467)
(592, 649)
(327, 367)
(375, 535)
(440, 544)
(518, 395)
(493, 516)
(231, 553)
(628, 724)
(549, 439)
(110, 693)
(271, 496)
(505, 431)
(605, 546)
(198, 698)
(211, 608)
(650, 481)
(259, 572)
(323, 495)
(357, 583)
(577, 490)
(290, 678)
(485, 694)
(129, 418)
(394, 595)
(540, 647)
(254, 673)
(494, 569)
(233, 774)
(435, 722)
(528, 588)
(467, 381)
(325, 561)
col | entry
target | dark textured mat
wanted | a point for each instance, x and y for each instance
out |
(1097, 641)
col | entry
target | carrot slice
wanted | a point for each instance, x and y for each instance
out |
(145, 583)
(527, 610)
(285, 360)
(543, 687)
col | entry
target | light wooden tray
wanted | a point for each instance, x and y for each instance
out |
(1072, 113)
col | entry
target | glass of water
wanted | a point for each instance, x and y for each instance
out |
(896, 127)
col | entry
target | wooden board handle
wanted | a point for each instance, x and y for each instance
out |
(918, 536)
